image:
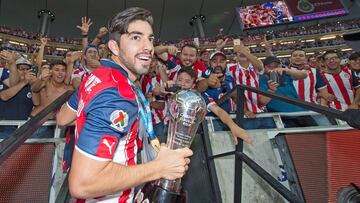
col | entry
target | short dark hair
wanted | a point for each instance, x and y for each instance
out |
(297, 49)
(329, 52)
(119, 24)
(189, 71)
(190, 46)
(57, 62)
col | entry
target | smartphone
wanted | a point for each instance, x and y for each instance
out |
(237, 41)
(274, 76)
(34, 69)
(174, 88)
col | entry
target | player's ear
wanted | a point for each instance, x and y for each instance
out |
(113, 47)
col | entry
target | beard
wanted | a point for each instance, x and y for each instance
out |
(131, 66)
(219, 69)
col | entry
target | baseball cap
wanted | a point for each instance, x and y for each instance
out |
(216, 53)
(271, 59)
(91, 46)
(202, 52)
(354, 56)
(23, 60)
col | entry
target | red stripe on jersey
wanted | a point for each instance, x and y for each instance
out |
(312, 76)
(124, 196)
(107, 147)
(301, 90)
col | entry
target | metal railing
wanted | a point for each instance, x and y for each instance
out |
(17, 138)
(241, 157)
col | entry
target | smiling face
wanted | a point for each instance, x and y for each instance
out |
(332, 61)
(58, 73)
(298, 57)
(218, 63)
(136, 49)
(188, 56)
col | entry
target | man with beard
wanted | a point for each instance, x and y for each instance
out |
(341, 82)
(51, 88)
(212, 95)
(109, 110)
(187, 59)
(91, 52)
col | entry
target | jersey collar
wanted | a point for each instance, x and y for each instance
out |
(112, 64)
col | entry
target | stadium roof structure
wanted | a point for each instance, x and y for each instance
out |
(171, 17)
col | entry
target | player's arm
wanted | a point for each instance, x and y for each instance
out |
(93, 173)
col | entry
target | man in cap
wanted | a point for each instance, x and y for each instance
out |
(16, 101)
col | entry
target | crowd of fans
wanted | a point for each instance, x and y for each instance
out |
(246, 38)
(314, 78)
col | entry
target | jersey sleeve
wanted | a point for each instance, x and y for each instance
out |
(229, 83)
(208, 100)
(263, 85)
(72, 103)
(5, 74)
(171, 62)
(320, 83)
(355, 81)
(109, 117)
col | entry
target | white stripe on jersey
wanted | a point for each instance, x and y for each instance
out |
(250, 78)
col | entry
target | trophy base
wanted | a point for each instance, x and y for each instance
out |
(152, 193)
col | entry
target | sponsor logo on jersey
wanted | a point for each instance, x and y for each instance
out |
(119, 119)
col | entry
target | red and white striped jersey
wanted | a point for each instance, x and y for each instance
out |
(174, 66)
(306, 88)
(148, 83)
(81, 73)
(342, 85)
(250, 77)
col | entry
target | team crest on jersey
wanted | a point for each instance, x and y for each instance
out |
(208, 72)
(29, 95)
(346, 75)
(119, 119)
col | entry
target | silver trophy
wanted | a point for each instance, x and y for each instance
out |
(187, 109)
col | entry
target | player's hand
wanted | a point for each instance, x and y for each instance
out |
(173, 163)
(240, 133)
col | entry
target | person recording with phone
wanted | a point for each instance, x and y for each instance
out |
(279, 80)
(246, 72)
(15, 91)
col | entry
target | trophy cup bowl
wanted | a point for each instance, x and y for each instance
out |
(187, 109)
